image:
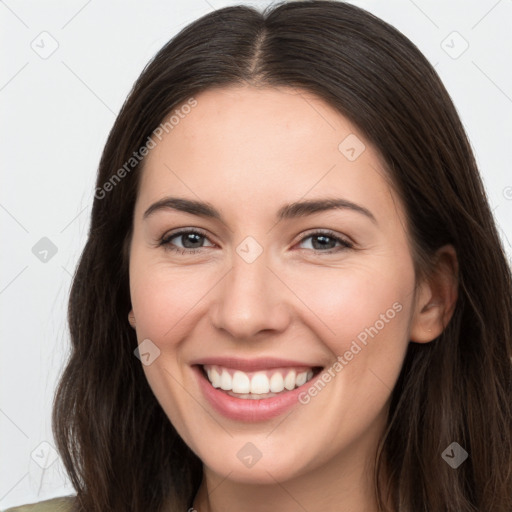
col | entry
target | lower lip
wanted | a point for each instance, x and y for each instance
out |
(246, 409)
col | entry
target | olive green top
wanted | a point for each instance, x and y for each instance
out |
(62, 504)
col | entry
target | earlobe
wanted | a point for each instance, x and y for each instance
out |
(436, 298)
(131, 318)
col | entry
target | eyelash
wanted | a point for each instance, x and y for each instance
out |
(165, 241)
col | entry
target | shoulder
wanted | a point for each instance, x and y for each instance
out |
(62, 504)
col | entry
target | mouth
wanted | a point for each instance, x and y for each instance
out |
(258, 385)
(253, 390)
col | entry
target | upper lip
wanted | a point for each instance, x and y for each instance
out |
(262, 363)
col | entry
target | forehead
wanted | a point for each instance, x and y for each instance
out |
(248, 146)
(239, 123)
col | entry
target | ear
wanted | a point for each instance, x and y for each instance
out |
(131, 318)
(436, 298)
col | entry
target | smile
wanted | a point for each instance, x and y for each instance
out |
(257, 385)
(253, 391)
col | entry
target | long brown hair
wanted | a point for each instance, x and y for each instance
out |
(119, 448)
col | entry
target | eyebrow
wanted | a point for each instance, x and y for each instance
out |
(288, 211)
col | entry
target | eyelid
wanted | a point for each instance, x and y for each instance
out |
(185, 229)
(182, 231)
(345, 240)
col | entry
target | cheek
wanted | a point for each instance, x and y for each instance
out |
(163, 296)
(346, 301)
(162, 300)
(361, 314)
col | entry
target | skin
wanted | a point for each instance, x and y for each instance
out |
(247, 151)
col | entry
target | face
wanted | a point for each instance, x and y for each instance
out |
(262, 293)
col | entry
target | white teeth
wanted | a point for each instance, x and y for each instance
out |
(301, 378)
(214, 377)
(276, 383)
(225, 381)
(241, 383)
(289, 380)
(259, 383)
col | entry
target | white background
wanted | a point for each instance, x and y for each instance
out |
(55, 116)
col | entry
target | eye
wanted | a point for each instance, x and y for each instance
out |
(326, 241)
(191, 241)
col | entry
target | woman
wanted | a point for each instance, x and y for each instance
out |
(293, 295)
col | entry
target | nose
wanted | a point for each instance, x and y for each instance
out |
(250, 300)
